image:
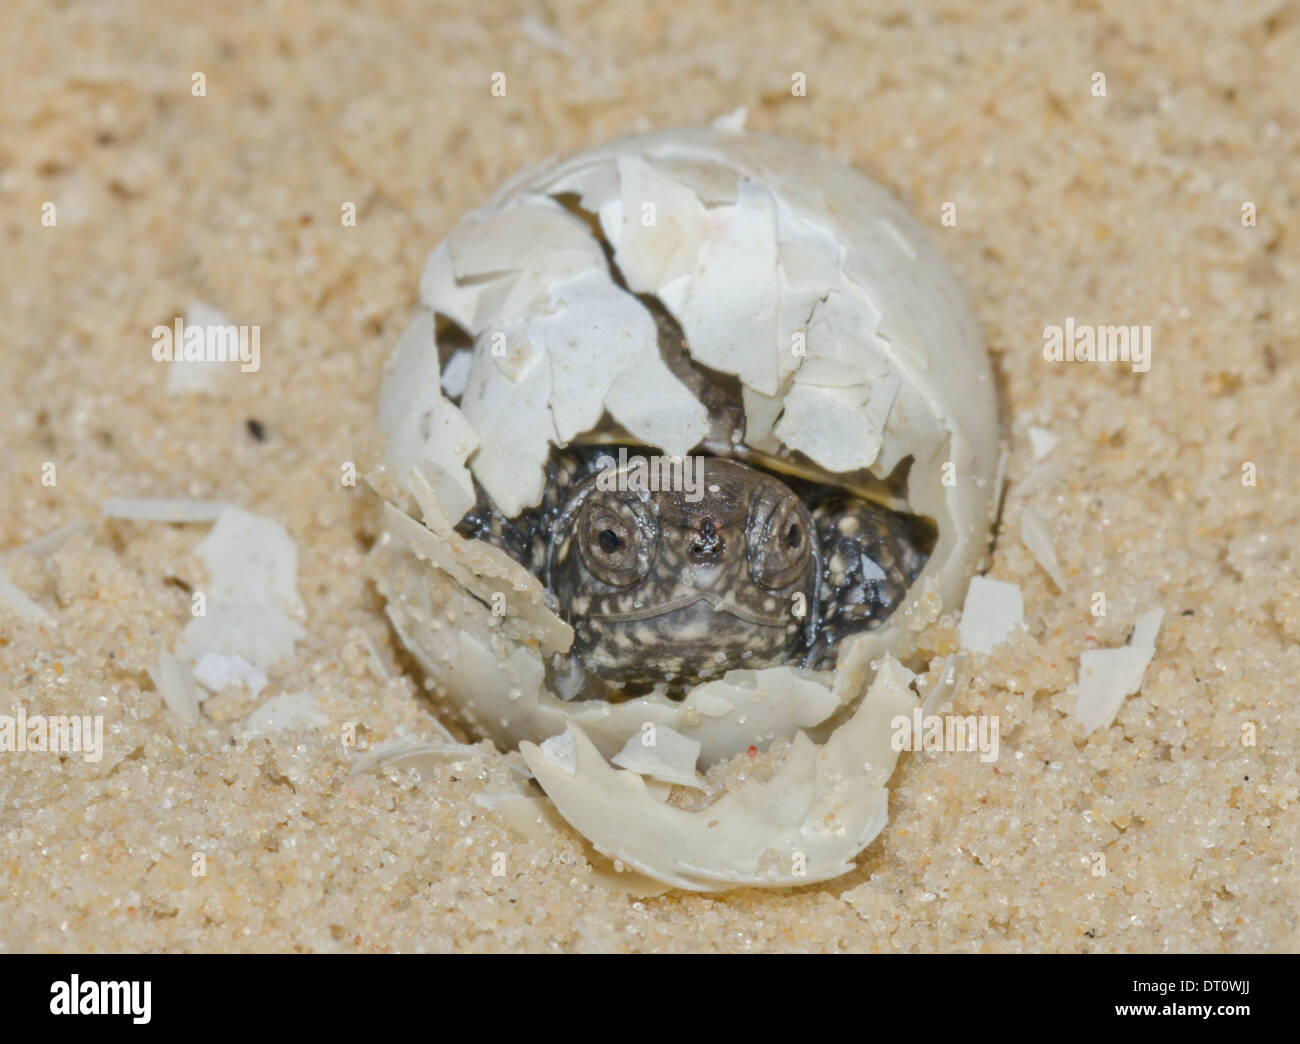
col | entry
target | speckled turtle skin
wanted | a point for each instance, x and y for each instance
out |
(669, 587)
(664, 592)
(700, 584)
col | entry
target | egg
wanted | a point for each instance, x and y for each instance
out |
(803, 291)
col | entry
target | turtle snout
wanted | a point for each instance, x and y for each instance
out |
(706, 542)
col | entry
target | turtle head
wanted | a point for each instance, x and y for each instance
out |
(680, 570)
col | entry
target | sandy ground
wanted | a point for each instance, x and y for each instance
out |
(1122, 208)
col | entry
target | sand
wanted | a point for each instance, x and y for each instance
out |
(1167, 830)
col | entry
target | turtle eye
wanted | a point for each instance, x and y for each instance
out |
(777, 537)
(616, 539)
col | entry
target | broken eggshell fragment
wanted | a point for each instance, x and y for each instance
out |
(859, 364)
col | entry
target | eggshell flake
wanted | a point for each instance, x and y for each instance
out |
(214, 671)
(727, 306)
(661, 753)
(1042, 442)
(292, 710)
(1035, 535)
(993, 609)
(175, 684)
(508, 405)
(420, 424)
(252, 605)
(661, 226)
(1107, 676)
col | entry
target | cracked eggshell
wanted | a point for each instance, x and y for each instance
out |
(754, 243)
(854, 348)
(817, 812)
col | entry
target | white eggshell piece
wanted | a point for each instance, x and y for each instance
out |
(251, 559)
(559, 752)
(420, 424)
(520, 252)
(424, 758)
(440, 290)
(821, 807)
(942, 689)
(727, 305)
(200, 376)
(1035, 535)
(1042, 442)
(713, 184)
(531, 234)
(482, 571)
(215, 671)
(818, 418)
(661, 754)
(252, 607)
(175, 684)
(260, 633)
(992, 610)
(507, 404)
(163, 509)
(604, 354)
(455, 375)
(659, 228)
(1107, 676)
(293, 710)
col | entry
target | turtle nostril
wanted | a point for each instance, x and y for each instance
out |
(707, 543)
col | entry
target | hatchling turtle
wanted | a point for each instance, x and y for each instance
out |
(674, 571)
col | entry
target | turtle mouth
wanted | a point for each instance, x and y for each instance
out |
(681, 642)
(720, 604)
